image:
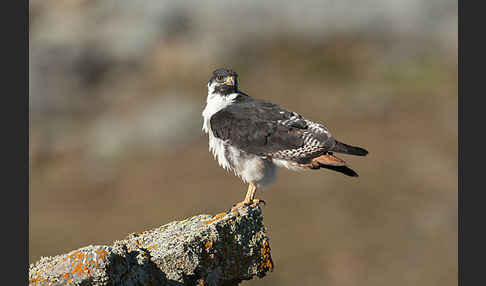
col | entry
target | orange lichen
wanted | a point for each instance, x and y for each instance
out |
(102, 253)
(40, 280)
(267, 263)
(208, 244)
(216, 217)
(77, 269)
(150, 247)
(80, 263)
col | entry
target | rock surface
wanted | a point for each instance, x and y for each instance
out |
(224, 249)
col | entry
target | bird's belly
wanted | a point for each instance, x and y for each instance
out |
(249, 167)
(252, 168)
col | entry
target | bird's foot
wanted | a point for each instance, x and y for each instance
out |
(256, 202)
(253, 203)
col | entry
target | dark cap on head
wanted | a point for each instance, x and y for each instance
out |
(226, 79)
(224, 72)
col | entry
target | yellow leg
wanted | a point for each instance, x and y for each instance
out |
(249, 198)
(250, 194)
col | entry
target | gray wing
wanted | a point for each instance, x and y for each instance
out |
(266, 129)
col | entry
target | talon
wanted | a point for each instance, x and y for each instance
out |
(257, 202)
(249, 200)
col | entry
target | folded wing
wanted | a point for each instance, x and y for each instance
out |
(266, 129)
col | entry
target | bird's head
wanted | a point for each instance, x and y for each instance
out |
(224, 81)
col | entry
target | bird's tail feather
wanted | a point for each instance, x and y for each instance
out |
(348, 149)
(331, 162)
(342, 169)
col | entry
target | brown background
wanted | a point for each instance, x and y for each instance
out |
(116, 94)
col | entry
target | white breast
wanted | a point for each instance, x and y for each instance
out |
(249, 167)
(214, 103)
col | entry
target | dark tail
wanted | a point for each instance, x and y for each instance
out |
(341, 169)
(331, 162)
(347, 149)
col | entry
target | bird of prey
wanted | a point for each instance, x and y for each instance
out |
(252, 137)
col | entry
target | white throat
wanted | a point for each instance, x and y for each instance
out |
(214, 103)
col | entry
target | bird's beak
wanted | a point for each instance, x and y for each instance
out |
(229, 81)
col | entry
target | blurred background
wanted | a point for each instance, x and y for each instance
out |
(116, 94)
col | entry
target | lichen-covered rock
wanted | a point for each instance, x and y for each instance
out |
(224, 249)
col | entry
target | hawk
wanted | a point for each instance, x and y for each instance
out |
(252, 137)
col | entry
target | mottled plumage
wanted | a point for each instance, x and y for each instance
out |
(266, 129)
(251, 136)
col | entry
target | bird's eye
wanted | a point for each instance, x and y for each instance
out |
(219, 78)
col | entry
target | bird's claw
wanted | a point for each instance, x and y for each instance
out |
(254, 203)
(257, 202)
